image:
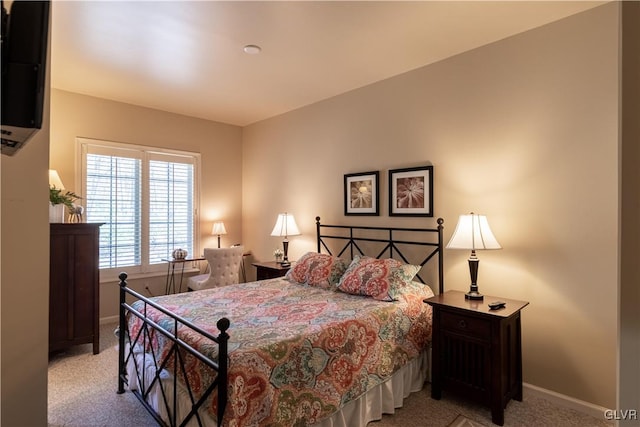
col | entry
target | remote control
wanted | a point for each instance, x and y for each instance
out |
(496, 305)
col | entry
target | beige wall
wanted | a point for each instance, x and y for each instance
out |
(24, 279)
(75, 115)
(25, 283)
(524, 130)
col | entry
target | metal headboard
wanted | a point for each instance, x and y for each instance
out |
(429, 237)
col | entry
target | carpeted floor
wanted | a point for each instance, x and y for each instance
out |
(82, 393)
(462, 421)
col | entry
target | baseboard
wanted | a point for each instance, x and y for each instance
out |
(109, 319)
(566, 401)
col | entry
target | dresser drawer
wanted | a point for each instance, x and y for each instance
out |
(467, 325)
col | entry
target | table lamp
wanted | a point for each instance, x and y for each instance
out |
(54, 180)
(285, 226)
(218, 228)
(473, 232)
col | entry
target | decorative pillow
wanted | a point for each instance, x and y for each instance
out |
(320, 270)
(382, 279)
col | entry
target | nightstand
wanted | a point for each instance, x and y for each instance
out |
(269, 270)
(477, 352)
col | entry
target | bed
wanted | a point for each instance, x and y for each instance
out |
(342, 338)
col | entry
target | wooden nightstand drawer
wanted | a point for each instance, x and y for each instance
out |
(467, 325)
(269, 270)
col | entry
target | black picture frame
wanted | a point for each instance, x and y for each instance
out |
(361, 193)
(411, 191)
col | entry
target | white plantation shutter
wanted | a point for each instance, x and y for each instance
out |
(113, 198)
(146, 199)
(170, 208)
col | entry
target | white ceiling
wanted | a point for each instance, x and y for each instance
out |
(187, 57)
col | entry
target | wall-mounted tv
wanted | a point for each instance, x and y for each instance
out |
(25, 33)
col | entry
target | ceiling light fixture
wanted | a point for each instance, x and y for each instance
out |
(252, 49)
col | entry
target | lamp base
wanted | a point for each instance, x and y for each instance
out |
(285, 261)
(474, 295)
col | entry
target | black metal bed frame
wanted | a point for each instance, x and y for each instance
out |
(176, 354)
(391, 245)
(126, 351)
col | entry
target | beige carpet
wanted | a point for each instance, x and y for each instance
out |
(82, 393)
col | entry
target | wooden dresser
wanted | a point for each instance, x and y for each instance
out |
(74, 293)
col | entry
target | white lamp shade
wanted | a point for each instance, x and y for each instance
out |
(218, 228)
(54, 180)
(285, 226)
(473, 232)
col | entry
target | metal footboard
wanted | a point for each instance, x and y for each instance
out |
(172, 361)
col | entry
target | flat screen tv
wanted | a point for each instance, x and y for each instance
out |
(25, 33)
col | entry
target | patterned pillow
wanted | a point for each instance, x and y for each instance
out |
(382, 279)
(320, 270)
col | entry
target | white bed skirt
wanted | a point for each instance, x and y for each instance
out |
(382, 399)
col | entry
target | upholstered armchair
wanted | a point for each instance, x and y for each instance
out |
(224, 268)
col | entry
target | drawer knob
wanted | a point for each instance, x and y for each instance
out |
(462, 324)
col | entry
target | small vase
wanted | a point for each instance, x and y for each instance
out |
(56, 213)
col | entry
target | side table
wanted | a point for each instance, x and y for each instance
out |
(477, 352)
(170, 286)
(269, 270)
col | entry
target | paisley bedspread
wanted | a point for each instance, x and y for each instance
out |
(297, 353)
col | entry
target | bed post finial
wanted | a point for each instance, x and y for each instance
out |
(223, 324)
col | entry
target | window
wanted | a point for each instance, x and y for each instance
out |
(147, 200)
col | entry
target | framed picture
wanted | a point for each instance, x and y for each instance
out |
(361, 193)
(411, 191)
